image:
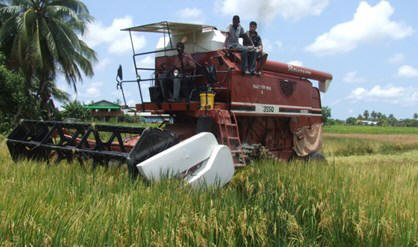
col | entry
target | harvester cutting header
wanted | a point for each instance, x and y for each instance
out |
(202, 85)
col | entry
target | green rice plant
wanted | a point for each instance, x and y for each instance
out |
(337, 146)
(360, 129)
(356, 199)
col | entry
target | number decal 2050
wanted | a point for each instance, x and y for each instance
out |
(268, 108)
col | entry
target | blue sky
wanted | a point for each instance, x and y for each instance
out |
(370, 47)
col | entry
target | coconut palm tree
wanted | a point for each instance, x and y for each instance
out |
(41, 38)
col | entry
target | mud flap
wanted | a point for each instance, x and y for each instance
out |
(307, 140)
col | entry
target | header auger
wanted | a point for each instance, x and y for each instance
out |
(201, 86)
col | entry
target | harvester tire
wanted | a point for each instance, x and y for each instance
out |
(315, 156)
(205, 124)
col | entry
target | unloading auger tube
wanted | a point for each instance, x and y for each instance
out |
(54, 141)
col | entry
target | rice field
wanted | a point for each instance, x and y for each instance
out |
(366, 195)
(376, 130)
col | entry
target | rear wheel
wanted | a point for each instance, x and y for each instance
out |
(315, 156)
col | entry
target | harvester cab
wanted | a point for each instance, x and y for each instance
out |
(178, 75)
(222, 118)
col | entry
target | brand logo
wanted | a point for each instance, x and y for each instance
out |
(287, 87)
(293, 68)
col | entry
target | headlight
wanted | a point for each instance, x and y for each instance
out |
(176, 72)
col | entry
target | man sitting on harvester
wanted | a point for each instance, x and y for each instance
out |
(183, 65)
(255, 51)
(236, 31)
(175, 79)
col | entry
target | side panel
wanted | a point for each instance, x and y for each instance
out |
(273, 95)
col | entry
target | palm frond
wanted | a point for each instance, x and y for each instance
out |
(10, 10)
(42, 39)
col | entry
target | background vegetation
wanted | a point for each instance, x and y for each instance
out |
(373, 118)
(12, 96)
(362, 129)
(39, 40)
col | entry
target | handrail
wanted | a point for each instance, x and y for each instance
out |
(154, 51)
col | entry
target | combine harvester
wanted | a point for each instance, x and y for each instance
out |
(200, 84)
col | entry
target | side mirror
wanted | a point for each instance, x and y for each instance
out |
(120, 73)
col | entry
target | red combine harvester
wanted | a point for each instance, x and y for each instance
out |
(200, 84)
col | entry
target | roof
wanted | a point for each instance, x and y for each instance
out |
(172, 27)
(103, 104)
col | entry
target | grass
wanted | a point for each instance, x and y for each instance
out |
(358, 199)
(348, 146)
(359, 129)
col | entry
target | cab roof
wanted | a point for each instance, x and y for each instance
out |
(170, 27)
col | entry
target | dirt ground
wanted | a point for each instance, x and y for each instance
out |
(405, 139)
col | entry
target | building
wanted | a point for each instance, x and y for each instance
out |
(104, 110)
(367, 122)
(147, 117)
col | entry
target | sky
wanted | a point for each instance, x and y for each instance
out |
(370, 47)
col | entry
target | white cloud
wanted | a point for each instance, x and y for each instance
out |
(407, 71)
(132, 103)
(389, 94)
(397, 58)
(279, 44)
(296, 63)
(102, 64)
(118, 42)
(370, 23)
(352, 77)
(268, 45)
(267, 10)
(147, 62)
(194, 13)
(91, 91)
(191, 15)
(123, 45)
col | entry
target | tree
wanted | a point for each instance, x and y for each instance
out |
(12, 98)
(75, 109)
(373, 115)
(392, 120)
(366, 115)
(40, 38)
(416, 116)
(326, 114)
(351, 120)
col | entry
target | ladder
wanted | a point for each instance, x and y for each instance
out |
(229, 135)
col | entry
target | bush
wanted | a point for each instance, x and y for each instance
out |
(76, 110)
(14, 103)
